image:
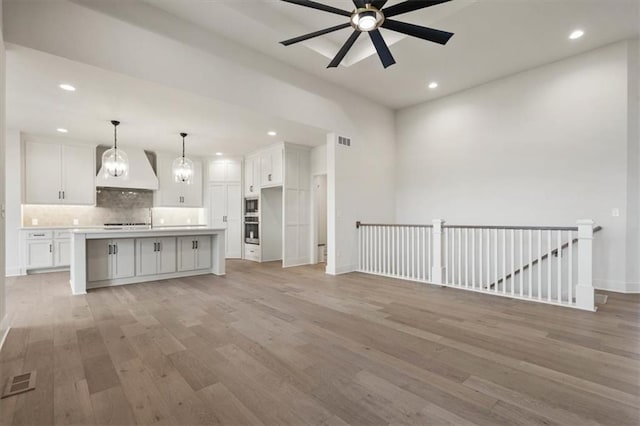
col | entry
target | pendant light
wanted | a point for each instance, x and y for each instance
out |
(183, 167)
(115, 162)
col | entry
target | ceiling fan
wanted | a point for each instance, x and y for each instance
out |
(369, 16)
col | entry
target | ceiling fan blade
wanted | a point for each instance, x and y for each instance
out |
(343, 51)
(319, 6)
(409, 6)
(425, 33)
(383, 50)
(314, 34)
(378, 4)
(360, 4)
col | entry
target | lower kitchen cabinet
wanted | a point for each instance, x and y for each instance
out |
(46, 249)
(156, 256)
(39, 254)
(62, 253)
(110, 259)
(194, 253)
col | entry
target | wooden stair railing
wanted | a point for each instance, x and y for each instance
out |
(553, 252)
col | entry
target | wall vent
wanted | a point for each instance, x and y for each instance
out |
(343, 140)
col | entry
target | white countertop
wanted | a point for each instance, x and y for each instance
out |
(80, 227)
(94, 233)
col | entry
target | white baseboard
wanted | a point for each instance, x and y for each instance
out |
(4, 326)
(13, 272)
(616, 286)
(342, 270)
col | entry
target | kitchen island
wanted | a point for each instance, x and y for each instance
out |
(109, 257)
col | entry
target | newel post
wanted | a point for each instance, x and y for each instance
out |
(436, 269)
(585, 293)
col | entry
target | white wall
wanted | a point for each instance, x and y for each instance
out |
(13, 167)
(633, 169)
(544, 147)
(3, 297)
(144, 42)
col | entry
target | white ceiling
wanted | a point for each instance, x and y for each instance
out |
(152, 115)
(493, 38)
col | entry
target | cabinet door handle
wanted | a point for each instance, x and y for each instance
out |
(50, 248)
(196, 244)
(59, 195)
(251, 188)
(269, 177)
(159, 247)
(115, 249)
(63, 195)
(110, 249)
(155, 247)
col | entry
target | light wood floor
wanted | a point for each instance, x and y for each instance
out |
(270, 346)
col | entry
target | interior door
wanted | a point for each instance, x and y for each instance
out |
(166, 255)
(124, 265)
(147, 258)
(234, 221)
(98, 260)
(78, 175)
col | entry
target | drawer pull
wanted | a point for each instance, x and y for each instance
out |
(38, 235)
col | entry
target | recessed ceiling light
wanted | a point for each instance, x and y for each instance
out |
(272, 133)
(67, 87)
(576, 34)
(433, 85)
(61, 130)
(218, 154)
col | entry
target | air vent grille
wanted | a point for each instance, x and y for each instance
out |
(343, 140)
(21, 383)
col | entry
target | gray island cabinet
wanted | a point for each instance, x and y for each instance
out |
(108, 257)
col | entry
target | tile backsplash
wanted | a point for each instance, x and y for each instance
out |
(55, 215)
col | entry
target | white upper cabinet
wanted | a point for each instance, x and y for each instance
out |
(177, 194)
(59, 174)
(78, 162)
(271, 167)
(225, 170)
(252, 176)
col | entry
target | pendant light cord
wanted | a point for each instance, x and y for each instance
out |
(115, 138)
(183, 149)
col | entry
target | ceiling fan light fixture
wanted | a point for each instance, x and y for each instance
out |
(367, 19)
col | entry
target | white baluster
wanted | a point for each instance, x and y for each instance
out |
(559, 266)
(539, 264)
(549, 262)
(570, 266)
(480, 258)
(466, 257)
(513, 262)
(504, 260)
(530, 257)
(495, 259)
(521, 262)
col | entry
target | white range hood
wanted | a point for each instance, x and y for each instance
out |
(141, 174)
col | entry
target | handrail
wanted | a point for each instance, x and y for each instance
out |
(390, 225)
(553, 252)
(515, 228)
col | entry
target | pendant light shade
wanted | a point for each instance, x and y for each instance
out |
(115, 162)
(183, 167)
